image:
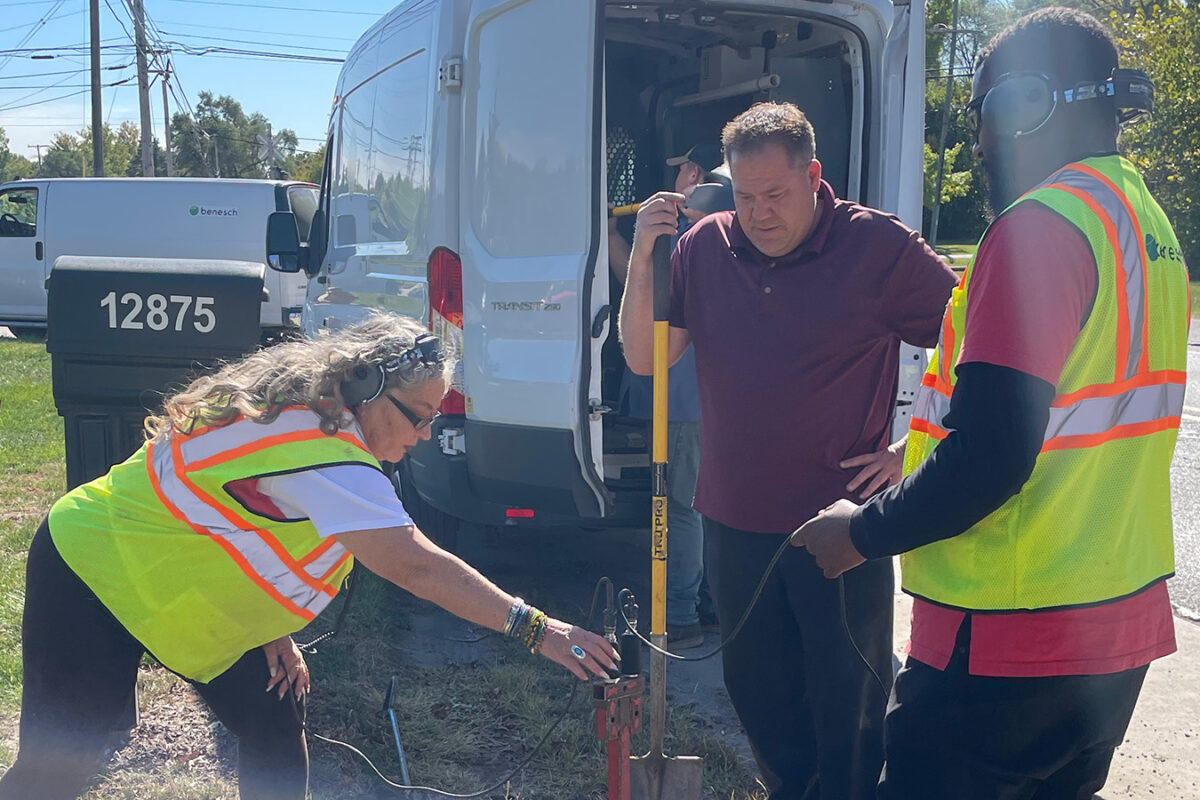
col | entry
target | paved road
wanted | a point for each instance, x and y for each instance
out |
(1185, 490)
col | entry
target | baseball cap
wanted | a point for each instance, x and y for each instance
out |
(708, 156)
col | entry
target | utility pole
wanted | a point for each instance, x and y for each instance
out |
(143, 76)
(97, 116)
(941, 163)
(166, 75)
(39, 152)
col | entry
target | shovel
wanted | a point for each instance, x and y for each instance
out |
(656, 776)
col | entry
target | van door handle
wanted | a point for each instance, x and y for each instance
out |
(598, 322)
(38, 251)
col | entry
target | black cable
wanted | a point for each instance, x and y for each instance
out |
(302, 718)
(762, 583)
(787, 542)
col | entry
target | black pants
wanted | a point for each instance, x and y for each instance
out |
(951, 735)
(80, 670)
(811, 708)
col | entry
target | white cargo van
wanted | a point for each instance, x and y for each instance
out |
(473, 148)
(203, 218)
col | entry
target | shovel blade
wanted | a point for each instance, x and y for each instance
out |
(658, 777)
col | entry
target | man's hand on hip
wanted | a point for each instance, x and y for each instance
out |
(827, 537)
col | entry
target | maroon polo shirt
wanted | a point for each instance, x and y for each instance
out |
(797, 356)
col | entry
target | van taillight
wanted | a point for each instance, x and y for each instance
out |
(446, 317)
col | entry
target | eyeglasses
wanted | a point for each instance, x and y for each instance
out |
(417, 422)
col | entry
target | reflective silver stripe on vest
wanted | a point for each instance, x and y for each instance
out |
(218, 440)
(257, 554)
(1131, 254)
(326, 561)
(1095, 415)
(931, 406)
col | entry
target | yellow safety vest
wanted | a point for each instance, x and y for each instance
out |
(195, 575)
(1093, 522)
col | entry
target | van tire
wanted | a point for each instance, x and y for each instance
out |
(439, 526)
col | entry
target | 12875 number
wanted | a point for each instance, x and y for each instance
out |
(159, 312)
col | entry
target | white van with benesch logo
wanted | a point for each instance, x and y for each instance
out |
(200, 218)
(474, 148)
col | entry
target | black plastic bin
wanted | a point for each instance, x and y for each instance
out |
(122, 331)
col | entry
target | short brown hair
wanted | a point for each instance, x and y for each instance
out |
(771, 123)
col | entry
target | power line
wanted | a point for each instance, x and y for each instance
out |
(258, 6)
(288, 34)
(234, 51)
(37, 26)
(251, 41)
(24, 24)
(42, 102)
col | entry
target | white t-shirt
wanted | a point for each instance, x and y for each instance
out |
(346, 497)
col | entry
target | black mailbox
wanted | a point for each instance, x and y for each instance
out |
(122, 331)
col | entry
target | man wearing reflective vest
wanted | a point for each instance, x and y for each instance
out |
(1035, 519)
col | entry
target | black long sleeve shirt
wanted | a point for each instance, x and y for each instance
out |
(996, 424)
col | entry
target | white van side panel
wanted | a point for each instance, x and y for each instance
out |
(160, 218)
(526, 210)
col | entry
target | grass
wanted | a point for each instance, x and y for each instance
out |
(463, 725)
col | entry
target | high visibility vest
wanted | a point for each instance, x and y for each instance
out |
(1093, 522)
(168, 543)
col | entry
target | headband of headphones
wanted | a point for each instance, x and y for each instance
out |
(366, 383)
(1020, 103)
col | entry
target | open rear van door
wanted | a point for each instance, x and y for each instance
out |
(530, 221)
(902, 161)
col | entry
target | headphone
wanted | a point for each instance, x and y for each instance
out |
(366, 382)
(1022, 103)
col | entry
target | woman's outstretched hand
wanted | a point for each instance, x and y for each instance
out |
(565, 643)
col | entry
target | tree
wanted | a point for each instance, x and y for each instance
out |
(70, 155)
(220, 140)
(1163, 40)
(12, 166)
(307, 166)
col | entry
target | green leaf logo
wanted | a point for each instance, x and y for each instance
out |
(194, 210)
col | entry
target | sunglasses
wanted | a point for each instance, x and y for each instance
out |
(417, 422)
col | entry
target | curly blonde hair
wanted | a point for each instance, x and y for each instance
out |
(308, 373)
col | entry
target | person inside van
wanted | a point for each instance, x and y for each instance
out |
(795, 303)
(690, 607)
(230, 529)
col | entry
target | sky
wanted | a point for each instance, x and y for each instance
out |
(40, 97)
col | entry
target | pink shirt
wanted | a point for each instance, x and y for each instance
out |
(1032, 287)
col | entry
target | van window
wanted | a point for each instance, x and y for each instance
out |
(399, 171)
(528, 155)
(18, 212)
(303, 200)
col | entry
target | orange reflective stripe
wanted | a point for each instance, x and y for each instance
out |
(242, 524)
(1130, 431)
(928, 428)
(234, 554)
(1110, 232)
(317, 552)
(1144, 359)
(270, 441)
(1120, 387)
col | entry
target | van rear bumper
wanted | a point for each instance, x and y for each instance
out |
(509, 467)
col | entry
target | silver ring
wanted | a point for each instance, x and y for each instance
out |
(578, 652)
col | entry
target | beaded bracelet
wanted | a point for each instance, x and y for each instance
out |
(538, 633)
(514, 613)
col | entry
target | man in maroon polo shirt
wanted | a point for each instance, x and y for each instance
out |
(796, 303)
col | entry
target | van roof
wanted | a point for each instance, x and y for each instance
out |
(222, 181)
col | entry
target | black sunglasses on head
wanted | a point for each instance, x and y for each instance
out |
(417, 422)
